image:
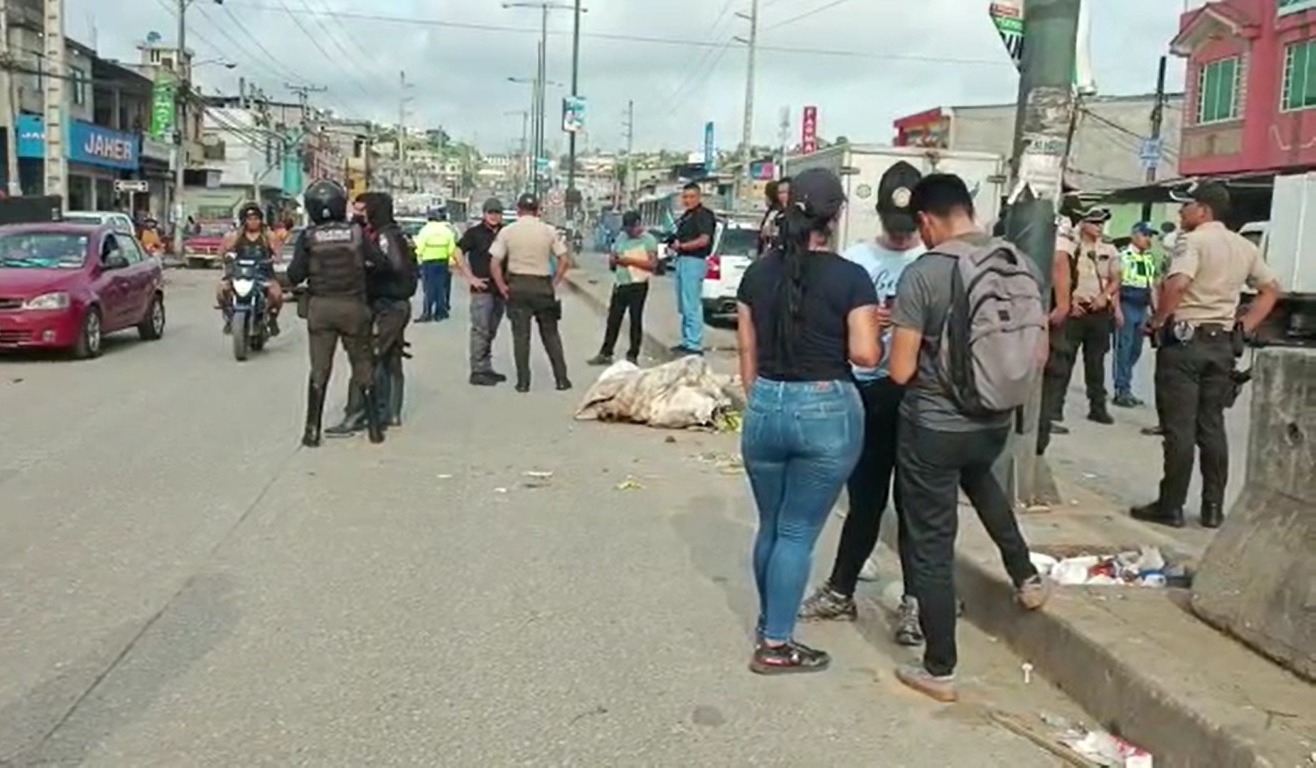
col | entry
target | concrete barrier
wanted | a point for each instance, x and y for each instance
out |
(1257, 580)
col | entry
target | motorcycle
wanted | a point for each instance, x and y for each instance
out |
(249, 308)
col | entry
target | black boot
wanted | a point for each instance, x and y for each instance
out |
(1097, 412)
(1156, 514)
(354, 418)
(314, 414)
(1213, 514)
(374, 425)
(396, 390)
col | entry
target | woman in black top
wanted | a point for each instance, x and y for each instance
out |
(805, 314)
(778, 193)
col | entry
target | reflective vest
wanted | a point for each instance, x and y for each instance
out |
(435, 242)
(1140, 269)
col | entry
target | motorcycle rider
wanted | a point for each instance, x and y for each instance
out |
(251, 241)
(333, 257)
(390, 289)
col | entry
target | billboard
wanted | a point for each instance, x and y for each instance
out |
(573, 114)
(809, 131)
(1008, 18)
(164, 101)
(708, 147)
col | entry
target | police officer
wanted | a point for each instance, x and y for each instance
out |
(1198, 338)
(332, 257)
(522, 265)
(390, 290)
(1094, 312)
(1141, 266)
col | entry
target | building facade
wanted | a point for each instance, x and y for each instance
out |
(246, 160)
(1105, 152)
(1251, 86)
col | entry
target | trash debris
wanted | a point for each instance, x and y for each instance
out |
(681, 394)
(443, 477)
(1146, 567)
(537, 475)
(1028, 672)
(1106, 750)
(500, 490)
(629, 484)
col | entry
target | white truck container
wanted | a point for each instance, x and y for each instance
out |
(861, 166)
(1291, 233)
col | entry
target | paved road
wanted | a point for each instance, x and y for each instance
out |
(181, 584)
(1116, 461)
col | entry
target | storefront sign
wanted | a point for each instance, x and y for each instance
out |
(809, 131)
(88, 144)
(164, 95)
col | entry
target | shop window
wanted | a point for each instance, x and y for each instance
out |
(78, 80)
(1217, 91)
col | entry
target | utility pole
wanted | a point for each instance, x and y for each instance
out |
(783, 137)
(1042, 134)
(571, 139)
(1157, 121)
(56, 104)
(630, 152)
(7, 98)
(542, 90)
(747, 126)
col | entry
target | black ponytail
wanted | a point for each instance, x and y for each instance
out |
(797, 225)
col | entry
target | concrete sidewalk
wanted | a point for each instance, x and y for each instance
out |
(1136, 659)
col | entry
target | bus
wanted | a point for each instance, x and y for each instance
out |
(660, 211)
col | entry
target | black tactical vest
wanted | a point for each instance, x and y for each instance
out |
(337, 260)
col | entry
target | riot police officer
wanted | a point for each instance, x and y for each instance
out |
(332, 257)
(1198, 334)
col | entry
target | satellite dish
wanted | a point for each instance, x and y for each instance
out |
(153, 37)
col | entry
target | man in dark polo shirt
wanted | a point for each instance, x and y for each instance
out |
(487, 304)
(692, 244)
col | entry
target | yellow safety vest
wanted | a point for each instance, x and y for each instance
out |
(435, 242)
(1139, 268)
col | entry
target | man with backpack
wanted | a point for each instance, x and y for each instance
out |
(969, 344)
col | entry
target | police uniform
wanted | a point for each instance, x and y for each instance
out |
(390, 291)
(1195, 359)
(1095, 271)
(1141, 270)
(331, 257)
(526, 250)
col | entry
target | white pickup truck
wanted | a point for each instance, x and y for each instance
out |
(734, 250)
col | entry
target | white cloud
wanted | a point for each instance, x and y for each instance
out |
(862, 62)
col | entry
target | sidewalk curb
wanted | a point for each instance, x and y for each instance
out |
(653, 346)
(1122, 699)
(1116, 694)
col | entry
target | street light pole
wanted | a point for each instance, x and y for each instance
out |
(181, 89)
(541, 88)
(571, 138)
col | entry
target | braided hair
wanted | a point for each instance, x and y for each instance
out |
(816, 198)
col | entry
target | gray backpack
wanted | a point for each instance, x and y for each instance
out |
(994, 341)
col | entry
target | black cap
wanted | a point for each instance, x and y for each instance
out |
(1213, 195)
(630, 219)
(527, 202)
(894, 191)
(818, 193)
(493, 205)
(1096, 216)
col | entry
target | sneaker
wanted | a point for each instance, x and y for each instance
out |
(599, 360)
(869, 572)
(938, 687)
(1033, 594)
(786, 658)
(1125, 401)
(908, 632)
(826, 605)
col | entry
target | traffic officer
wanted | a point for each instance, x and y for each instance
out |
(1141, 266)
(332, 257)
(1198, 335)
(523, 257)
(1094, 312)
(434, 246)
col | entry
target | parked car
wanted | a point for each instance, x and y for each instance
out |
(119, 222)
(202, 246)
(64, 286)
(734, 249)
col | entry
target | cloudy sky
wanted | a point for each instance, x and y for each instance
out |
(862, 62)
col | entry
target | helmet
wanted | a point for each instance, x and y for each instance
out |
(438, 213)
(325, 201)
(250, 209)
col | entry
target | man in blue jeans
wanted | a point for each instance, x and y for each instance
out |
(693, 243)
(1137, 301)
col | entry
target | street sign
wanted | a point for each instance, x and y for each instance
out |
(708, 147)
(809, 131)
(131, 185)
(573, 114)
(1149, 152)
(1008, 18)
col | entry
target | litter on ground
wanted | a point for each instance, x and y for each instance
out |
(1146, 567)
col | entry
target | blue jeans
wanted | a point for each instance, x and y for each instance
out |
(690, 273)
(1129, 341)
(800, 442)
(436, 283)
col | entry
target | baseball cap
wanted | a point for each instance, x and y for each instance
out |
(630, 219)
(493, 205)
(1096, 216)
(527, 201)
(1212, 194)
(894, 190)
(817, 192)
(1144, 228)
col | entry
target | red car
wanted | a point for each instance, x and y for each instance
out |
(202, 247)
(64, 286)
